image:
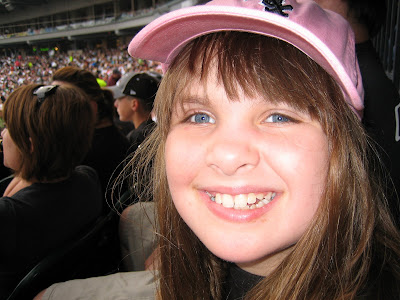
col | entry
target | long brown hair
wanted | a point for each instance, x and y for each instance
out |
(352, 231)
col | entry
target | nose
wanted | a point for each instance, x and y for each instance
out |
(233, 155)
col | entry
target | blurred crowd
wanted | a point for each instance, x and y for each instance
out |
(18, 69)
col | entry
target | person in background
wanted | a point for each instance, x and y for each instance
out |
(124, 126)
(4, 171)
(382, 101)
(115, 76)
(109, 147)
(106, 155)
(51, 197)
(134, 96)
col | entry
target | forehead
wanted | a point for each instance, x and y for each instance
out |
(211, 87)
(126, 97)
(270, 68)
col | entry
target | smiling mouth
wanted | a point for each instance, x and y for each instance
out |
(242, 201)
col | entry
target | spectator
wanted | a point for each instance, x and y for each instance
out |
(134, 96)
(109, 147)
(40, 70)
(115, 76)
(51, 198)
(107, 153)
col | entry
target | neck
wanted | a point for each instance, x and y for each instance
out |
(16, 184)
(266, 265)
(137, 120)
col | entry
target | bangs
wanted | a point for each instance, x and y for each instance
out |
(256, 65)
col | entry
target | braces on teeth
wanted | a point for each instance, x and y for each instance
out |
(250, 201)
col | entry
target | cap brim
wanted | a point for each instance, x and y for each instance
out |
(163, 38)
(117, 93)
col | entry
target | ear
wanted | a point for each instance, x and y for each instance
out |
(134, 104)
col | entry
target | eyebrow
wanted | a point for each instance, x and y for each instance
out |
(194, 99)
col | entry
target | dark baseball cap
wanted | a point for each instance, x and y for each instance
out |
(140, 85)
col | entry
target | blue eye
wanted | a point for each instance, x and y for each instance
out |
(277, 118)
(201, 118)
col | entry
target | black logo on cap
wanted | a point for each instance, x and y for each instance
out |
(276, 6)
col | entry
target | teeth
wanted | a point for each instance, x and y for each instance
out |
(218, 199)
(260, 204)
(227, 201)
(240, 201)
(251, 199)
(243, 201)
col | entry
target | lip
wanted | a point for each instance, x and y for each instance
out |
(236, 215)
(237, 190)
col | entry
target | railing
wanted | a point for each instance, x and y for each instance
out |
(48, 27)
(23, 29)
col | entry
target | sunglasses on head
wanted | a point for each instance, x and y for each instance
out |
(43, 91)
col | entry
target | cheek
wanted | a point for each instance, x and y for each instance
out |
(184, 158)
(121, 113)
(11, 154)
(306, 171)
(313, 159)
(305, 154)
(301, 161)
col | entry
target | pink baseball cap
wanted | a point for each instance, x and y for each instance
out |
(323, 35)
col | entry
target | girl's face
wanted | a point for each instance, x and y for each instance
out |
(11, 154)
(246, 176)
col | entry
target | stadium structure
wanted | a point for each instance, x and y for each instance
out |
(41, 25)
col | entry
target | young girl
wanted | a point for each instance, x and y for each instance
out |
(263, 175)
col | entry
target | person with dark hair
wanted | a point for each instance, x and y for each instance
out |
(381, 100)
(115, 76)
(51, 198)
(109, 147)
(134, 96)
